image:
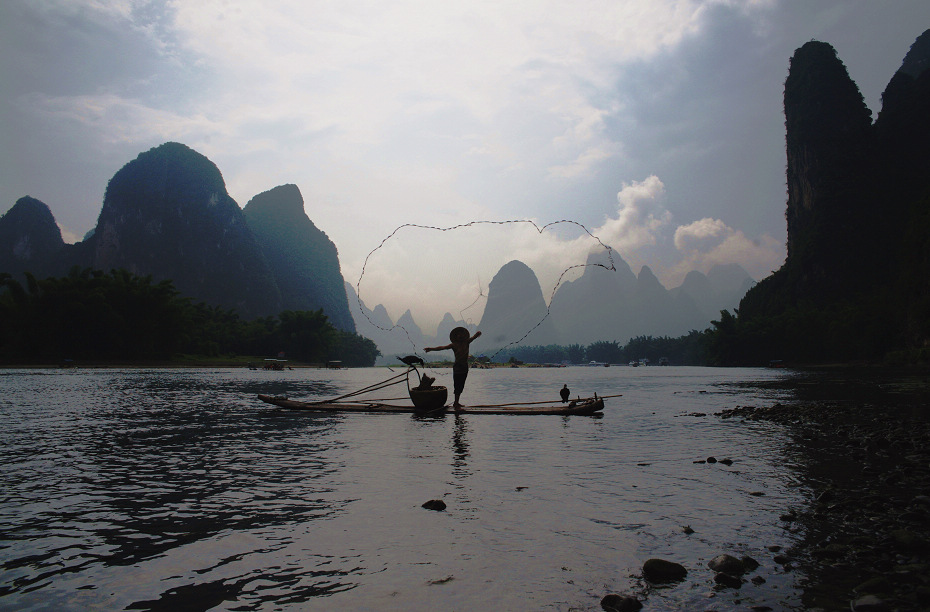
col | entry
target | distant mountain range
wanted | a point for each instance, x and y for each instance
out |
(167, 214)
(600, 305)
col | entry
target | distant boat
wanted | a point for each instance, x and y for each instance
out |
(334, 365)
(274, 364)
(663, 361)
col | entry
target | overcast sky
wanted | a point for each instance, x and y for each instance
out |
(657, 124)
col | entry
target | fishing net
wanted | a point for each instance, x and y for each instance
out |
(429, 279)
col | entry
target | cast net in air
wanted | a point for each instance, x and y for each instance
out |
(427, 279)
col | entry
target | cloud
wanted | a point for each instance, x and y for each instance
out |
(700, 235)
(641, 215)
(709, 242)
(117, 119)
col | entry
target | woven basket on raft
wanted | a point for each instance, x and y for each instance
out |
(429, 399)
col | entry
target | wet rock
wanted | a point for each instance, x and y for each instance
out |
(830, 551)
(620, 603)
(687, 530)
(728, 581)
(749, 563)
(875, 584)
(908, 540)
(868, 603)
(781, 559)
(661, 571)
(726, 461)
(711, 460)
(435, 504)
(865, 537)
(757, 580)
(727, 564)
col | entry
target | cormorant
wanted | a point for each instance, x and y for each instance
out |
(412, 360)
(564, 392)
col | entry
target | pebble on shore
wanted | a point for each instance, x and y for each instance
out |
(435, 504)
(866, 533)
(660, 571)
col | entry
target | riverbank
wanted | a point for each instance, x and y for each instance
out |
(865, 457)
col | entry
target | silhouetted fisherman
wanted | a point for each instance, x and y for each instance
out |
(460, 340)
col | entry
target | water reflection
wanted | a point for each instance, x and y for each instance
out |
(151, 490)
(460, 448)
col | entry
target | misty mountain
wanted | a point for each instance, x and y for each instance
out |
(404, 338)
(515, 309)
(303, 260)
(618, 305)
(600, 305)
(720, 289)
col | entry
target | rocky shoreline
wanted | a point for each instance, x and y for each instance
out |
(860, 444)
(865, 538)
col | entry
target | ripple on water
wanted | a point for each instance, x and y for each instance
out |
(144, 489)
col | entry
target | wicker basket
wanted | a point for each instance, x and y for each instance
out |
(429, 399)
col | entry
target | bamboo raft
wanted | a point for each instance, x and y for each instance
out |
(429, 400)
(583, 407)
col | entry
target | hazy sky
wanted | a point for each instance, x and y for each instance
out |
(657, 124)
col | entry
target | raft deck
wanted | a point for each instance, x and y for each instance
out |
(586, 406)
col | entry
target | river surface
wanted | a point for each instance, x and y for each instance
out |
(176, 489)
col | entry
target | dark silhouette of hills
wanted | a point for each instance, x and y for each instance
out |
(721, 288)
(854, 284)
(400, 339)
(618, 305)
(167, 214)
(599, 305)
(30, 241)
(515, 310)
(303, 260)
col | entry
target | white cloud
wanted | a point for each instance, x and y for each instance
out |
(700, 235)
(116, 119)
(359, 69)
(709, 242)
(641, 215)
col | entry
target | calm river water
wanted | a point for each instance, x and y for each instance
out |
(176, 489)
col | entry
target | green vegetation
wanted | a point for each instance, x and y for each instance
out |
(90, 315)
(686, 350)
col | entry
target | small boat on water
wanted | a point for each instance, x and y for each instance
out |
(429, 400)
(585, 407)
